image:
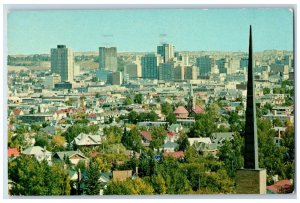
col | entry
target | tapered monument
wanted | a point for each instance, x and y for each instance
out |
(251, 179)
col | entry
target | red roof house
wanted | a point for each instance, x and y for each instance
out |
(177, 155)
(198, 109)
(281, 187)
(146, 138)
(181, 112)
(13, 152)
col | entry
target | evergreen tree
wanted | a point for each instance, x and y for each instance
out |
(92, 184)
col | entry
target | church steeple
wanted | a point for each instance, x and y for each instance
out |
(251, 144)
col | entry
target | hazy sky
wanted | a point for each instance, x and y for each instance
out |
(32, 32)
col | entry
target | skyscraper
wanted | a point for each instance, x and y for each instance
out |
(108, 58)
(62, 62)
(205, 65)
(166, 51)
(150, 63)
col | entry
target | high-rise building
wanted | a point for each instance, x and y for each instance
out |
(108, 58)
(62, 62)
(205, 65)
(166, 51)
(165, 71)
(134, 69)
(150, 63)
(222, 65)
(191, 73)
(179, 73)
(244, 62)
(115, 78)
(233, 65)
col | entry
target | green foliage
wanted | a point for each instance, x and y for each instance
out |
(128, 100)
(134, 117)
(159, 184)
(129, 187)
(138, 98)
(183, 142)
(231, 153)
(132, 140)
(42, 140)
(113, 134)
(166, 108)
(75, 130)
(266, 90)
(32, 178)
(171, 118)
(271, 156)
(158, 135)
(203, 127)
(277, 122)
(92, 184)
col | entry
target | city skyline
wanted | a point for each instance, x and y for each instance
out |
(35, 32)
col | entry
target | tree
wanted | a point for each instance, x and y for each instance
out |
(204, 126)
(231, 153)
(171, 118)
(138, 98)
(159, 184)
(113, 134)
(166, 108)
(128, 101)
(183, 142)
(132, 140)
(58, 142)
(266, 90)
(33, 178)
(158, 135)
(92, 184)
(277, 122)
(42, 140)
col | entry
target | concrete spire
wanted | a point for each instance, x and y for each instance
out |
(251, 145)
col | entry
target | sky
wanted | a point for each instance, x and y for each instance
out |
(36, 32)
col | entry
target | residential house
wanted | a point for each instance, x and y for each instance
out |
(171, 137)
(146, 138)
(73, 156)
(219, 138)
(281, 187)
(39, 153)
(169, 147)
(87, 140)
(13, 152)
(181, 112)
(177, 155)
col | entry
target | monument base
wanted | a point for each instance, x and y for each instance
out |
(251, 181)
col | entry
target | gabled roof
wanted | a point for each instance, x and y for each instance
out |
(146, 135)
(198, 109)
(206, 140)
(69, 154)
(17, 111)
(171, 133)
(181, 110)
(169, 145)
(177, 155)
(36, 150)
(13, 152)
(86, 139)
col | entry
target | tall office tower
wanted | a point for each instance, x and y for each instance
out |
(222, 65)
(115, 78)
(244, 62)
(165, 71)
(233, 65)
(134, 69)
(179, 72)
(205, 65)
(191, 73)
(62, 62)
(150, 63)
(166, 51)
(108, 58)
